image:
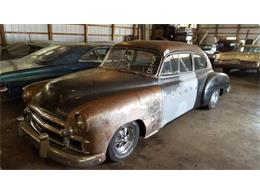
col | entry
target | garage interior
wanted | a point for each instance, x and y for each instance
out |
(227, 137)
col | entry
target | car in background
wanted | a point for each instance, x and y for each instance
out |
(48, 63)
(83, 118)
(21, 49)
(210, 50)
(224, 45)
(246, 57)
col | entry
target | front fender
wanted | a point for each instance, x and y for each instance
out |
(32, 89)
(104, 116)
(215, 80)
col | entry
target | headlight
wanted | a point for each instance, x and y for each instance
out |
(79, 121)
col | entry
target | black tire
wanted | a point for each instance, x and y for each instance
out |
(213, 99)
(119, 150)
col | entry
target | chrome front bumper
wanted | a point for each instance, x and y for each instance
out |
(46, 150)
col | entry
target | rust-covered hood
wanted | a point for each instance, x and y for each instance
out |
(65, 93)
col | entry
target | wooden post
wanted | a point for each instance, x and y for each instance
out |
(134, 31)
(247, 33)
(50, 36)
(2, 35)
(138, 31)
(216, 32)
(85, 33)
(113, 32)
(237, 34)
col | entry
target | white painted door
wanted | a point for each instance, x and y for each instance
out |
(179, 86)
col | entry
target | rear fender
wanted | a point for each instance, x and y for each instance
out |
(215, 81)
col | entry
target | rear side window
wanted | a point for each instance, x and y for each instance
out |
(101, 52)
(199, 62)
(177, 63)
(90, 55)
(95, 54)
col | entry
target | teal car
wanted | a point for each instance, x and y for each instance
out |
(48, 63)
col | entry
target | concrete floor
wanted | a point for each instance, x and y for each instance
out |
(227, 137)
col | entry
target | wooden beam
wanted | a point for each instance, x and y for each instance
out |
(237, 34)
(85, 33)
(134, 31)
(2, 34)
(113, 32)
(138, 31)
(50, 35)
(247, 33)
(216, 31)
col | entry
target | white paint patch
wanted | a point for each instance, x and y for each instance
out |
(180, 98)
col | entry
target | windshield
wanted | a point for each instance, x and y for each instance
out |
(135, 60)
(49, 53)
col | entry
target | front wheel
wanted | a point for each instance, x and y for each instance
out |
(123, 142)
(213, 99)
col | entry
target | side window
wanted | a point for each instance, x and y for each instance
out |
(101, 52)
(185, 62)
(170, 66)
(199, 62)
(89, 56)
(177, 63)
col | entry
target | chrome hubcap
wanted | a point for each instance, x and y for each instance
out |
(214, 98)
(125, 139)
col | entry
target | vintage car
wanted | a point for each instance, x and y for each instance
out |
(21, 49)
(47, 63)
(83, 118)
(210, 50)
(246, 57)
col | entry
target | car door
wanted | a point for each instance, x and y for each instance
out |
(179, 86)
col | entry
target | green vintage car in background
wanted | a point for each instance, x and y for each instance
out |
(48, 63)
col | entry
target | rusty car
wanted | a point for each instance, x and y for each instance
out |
(84, 118)
(246, 57)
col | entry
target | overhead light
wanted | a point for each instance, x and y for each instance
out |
(231, 38)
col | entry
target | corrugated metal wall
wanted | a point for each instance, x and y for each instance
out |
(67, 32)
(241, 31)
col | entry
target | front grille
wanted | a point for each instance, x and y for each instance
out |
(43, 122)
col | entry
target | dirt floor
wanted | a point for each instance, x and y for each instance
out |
(227, 137)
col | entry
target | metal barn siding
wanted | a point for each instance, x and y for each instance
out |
(69, 32)
(25, 32)
(101, 32)
(241, 31)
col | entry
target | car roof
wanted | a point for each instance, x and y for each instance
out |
(161, 46)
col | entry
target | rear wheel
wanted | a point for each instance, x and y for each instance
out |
(123, 142)
(214, 99)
